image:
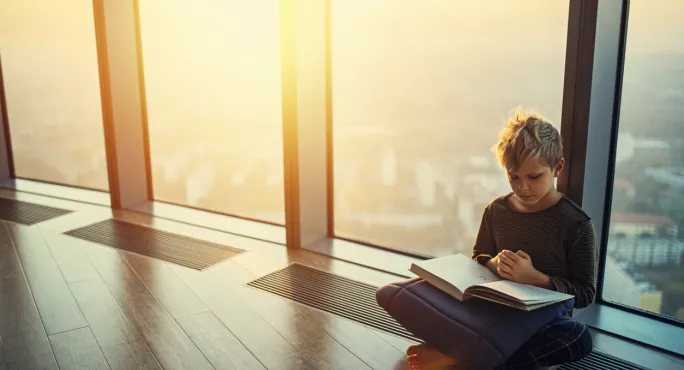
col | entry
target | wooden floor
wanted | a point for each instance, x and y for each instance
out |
(70, 304)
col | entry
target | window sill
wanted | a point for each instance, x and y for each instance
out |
(94, 197)
(366, 256)
(632, 327)
(209, 220)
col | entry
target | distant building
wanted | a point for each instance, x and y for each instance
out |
(624, 224)
(651, 144)
(631, 149)
(620, 287)
(625, 187)
(651, 300)
(671, 177)
(680, 313)
(641, 251)
(652, 151)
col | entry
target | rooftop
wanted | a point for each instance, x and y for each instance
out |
(641, 218)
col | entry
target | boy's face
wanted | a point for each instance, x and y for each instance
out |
(533, 180)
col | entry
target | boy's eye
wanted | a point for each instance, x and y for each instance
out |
(534, 177)
(513, 177)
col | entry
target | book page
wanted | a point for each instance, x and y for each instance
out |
(525, 293)
(521, 306)
(457, 270)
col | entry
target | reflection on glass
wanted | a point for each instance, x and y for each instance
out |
(212, 75)
(646, 237)
(420, 92)
(50, 69)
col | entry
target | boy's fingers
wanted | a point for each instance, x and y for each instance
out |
(511, 255)
(505, 259)
(523, 255)
(508, 266)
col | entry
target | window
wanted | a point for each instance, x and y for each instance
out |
(421, 90)
(646, 234)
(212, 76)
(49, 61)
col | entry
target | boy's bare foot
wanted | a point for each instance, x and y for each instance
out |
(422, 357)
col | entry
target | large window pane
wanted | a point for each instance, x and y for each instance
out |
(212, 74)
(421, 89)
(50, 69)
(646, 235)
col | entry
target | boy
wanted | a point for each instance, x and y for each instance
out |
(534, 235)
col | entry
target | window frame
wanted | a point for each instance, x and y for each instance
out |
(608, 196)
(600, 28)
(6, 156)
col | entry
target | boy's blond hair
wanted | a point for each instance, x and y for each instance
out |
(528, 135)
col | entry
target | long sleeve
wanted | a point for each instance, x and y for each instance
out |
(485, 247)
(583, 263)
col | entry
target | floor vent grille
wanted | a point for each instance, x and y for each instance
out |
(182, 250)
(331, 293)
(601, 361)
(27, 213)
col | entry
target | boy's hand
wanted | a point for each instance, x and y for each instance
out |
(493, 264)
(518, 267)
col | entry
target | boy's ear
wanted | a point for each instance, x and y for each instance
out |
(559, 167)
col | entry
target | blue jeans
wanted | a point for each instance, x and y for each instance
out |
(564, 340)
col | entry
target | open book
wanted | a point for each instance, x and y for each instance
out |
(463, 278)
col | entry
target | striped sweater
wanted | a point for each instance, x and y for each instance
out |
(560, 241)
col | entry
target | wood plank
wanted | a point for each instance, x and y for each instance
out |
(218, 344)
(169, 289)
(359, 340)
(116, 334)
(3, 363)
(366, 343)
(401, 344)
(56, 305)
(8, 256)
(132, 355)
(70, 256)
(25, 342)
(295, 326)
(167, 341)
(267, 345)
(77, 349)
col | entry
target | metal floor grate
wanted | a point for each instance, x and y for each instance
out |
(333, 294)
(182, 250)
(601, 361)
(27, 213)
